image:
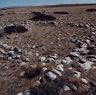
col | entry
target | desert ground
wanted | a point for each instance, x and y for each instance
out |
(48, 50)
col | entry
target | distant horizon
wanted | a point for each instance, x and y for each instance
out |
(21, 3)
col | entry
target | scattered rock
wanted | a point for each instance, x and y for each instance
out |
(66, 88)
(77, 74)
(58, 61)
(74, 54)
(91, 10)
(20, 93)
(51, 75)
(42, 59)
(84, 81)
(61, 12)
(86, 65)
(56, 72)
(44, 69)
(68, 59)
(42, 17)
(14, 29)
(27, 92)
(60, 67)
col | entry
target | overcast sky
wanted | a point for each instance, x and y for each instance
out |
(6, 3)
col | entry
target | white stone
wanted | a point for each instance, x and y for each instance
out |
(11, 52)
(23, 63)
(60, 67)
(64, 62)
(84, 80)
(74, 54)
(50, 60)
(86, 65)
(88, 42)
(43, 58)
(84, 45)
(74, 87)
(2, 51)
(5, 45)
(51, 75)
(44, 69)
(27, 60)
(66, 88)
(56, 72)
(93, 59)
(37, 54)
(68, 59)
(20, 93)
(43, 64)
(77, 74)
(22, 74)
(55, 56)
(58, 61)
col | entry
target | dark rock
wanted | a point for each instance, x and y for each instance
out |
(91, 10)
(60, 12)
(42, 17)
(15, 29)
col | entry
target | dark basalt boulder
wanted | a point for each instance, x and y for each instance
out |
(42, 17)
(15, 29)
(91, 10)
(60, 12)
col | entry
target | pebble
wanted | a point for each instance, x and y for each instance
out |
(60, 67)
(68, 59)
(44, 69)
(82, 60)
(43, 64)
(86, 65)
(84, 80)
(55, 56)
(64, 62)
(56, 72)
(88, 42)
(84, 45)
(93, 59)
(66, 88)
(20, 93)
(11, 53)
(37, 54)
(77, 74)
(58, 61)
(74, 87)
(23, 63)
(27, 60)
(51, 75)
(27, 92)
(22, 74)
(42, 59)
(50, 60)
(2, 51)
(74, 54)
(16, 56)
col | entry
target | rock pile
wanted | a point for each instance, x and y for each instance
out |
(12, 54)
(80, 60)
(79, 24)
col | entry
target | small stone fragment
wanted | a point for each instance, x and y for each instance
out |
(60, 67)
(66, 88)
(56, 72)
(51, 75)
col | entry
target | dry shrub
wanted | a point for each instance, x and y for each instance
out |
(31, 71)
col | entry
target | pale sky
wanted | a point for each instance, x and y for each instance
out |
(6, 3)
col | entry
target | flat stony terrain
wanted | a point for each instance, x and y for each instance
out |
(48, 50)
